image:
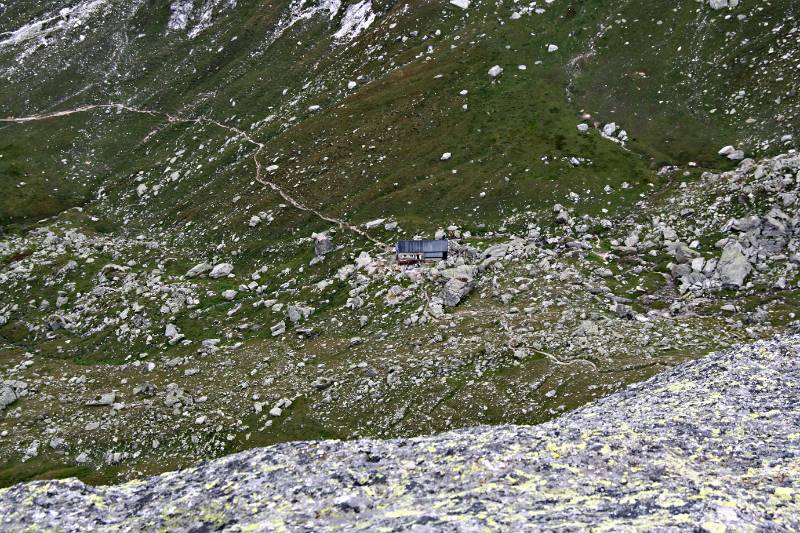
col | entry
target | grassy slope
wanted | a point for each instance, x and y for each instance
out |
(376, 152)
(409, 115)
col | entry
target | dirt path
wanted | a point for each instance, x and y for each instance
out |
(173, 119)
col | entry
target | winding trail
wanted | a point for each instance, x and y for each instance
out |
(175, 119)
(552, 358)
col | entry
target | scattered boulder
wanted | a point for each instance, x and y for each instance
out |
(733, 267)
(278, 329)
(173, 334)
(609, 129)
(732, 153)
(296, 313)
(722, 4)
(229, 294)
(322, 383)
(322, 244)
(105, 399)
(624, 311)
(145, 389)
(495, 71)
(175, 397)
(460, 281)
(221, 270)
(7, 396)
(454, 290)
(496, 251)
(198, 270)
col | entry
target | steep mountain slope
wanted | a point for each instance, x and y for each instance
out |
(290, 144)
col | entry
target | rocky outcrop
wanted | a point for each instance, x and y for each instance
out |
(10, 392)
(712, 444)
(459, 282)
(733, 266)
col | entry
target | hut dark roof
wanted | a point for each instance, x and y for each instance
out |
(422, 246)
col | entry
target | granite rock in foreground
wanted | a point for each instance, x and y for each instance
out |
(711, 444)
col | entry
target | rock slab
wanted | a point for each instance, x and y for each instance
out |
(710, 445)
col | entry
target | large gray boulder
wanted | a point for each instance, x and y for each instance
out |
(460, 281)
(221, 270)
(322, 244)
(199, 269)
(733, 267)
(497, 251)
(7, 395)
(463, 272)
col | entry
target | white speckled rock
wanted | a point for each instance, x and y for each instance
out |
(711, 445)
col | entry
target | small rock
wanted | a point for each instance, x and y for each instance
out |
(198, 269)
(495, 71)
(278, 329)
(103, 399)
(609, 129)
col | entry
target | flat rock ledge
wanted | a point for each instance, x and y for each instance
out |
(712, 445)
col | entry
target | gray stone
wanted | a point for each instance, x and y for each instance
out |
(221, 270)
(624, 311)
(604, 272)
(176, 397)
(198, 270)
(562, 217)
(722, 4)
(733, 266)
(322, 383)
(454, 291)
(278, 329)
(7, 396)
(296, 313)
(322, 244)
(632, 240)
(498, 251)
(105, 399)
